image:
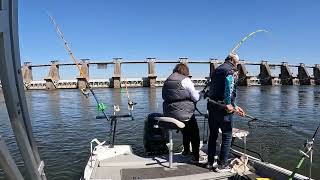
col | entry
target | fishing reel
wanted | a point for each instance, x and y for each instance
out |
(308, 145)
(116, 109)
(131, 104)
(85, 92)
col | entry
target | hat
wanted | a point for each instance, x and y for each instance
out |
(233, 57)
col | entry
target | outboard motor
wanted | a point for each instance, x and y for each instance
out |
(154, 138)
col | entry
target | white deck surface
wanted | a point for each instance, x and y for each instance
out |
(115, 167)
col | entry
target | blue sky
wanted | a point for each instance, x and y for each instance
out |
(167, 30)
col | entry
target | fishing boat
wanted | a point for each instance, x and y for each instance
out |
(109, 160)
(118, 162)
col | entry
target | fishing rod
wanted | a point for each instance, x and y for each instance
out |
(237, 46)
(101, 106)
(252, 119)
(246, 38)
(307, 153)
(130, 102)
(224, 107)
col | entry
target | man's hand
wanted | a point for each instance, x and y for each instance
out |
(229, 108)
(240, 111)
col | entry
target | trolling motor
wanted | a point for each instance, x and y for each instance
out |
(154, 138)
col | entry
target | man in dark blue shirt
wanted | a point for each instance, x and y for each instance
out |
(223, 91)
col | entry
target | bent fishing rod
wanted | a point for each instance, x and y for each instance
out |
(101, 106)
(59, 32)
(238, 45)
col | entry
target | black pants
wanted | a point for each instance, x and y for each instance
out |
(191, 134)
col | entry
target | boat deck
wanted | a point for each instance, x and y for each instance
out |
(120, 163)
(130, 166)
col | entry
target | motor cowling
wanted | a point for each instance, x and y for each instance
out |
(154, 138)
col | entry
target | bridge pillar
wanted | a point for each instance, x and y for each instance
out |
(213, 66)
(286, 74)
(265, 74)
(152, 77)
(53, 76)
(244, 80)
(116, 78)
(84, 75)
(316, 74)
(27, 72)
(303, 75)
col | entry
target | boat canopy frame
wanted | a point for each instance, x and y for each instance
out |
(14, 94)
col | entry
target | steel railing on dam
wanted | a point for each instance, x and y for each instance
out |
(306, 75)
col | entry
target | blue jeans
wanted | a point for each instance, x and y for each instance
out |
(218, 118)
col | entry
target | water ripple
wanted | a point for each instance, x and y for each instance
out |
(64, 124)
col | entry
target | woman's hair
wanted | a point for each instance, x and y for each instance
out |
(181, 69)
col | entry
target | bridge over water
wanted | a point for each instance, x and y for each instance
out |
(306, 75)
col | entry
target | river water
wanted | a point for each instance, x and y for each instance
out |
(64, 124)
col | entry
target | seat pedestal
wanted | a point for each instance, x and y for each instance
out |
(170, 124)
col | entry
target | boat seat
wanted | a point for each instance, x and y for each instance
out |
(169, 123)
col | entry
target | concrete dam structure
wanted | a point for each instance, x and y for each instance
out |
(306, 75)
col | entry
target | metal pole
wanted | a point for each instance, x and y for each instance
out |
(114, 132)
(13, 89)
(204, 130)
(170, 149)
(7, 163)
(245, 153)
(310, 166)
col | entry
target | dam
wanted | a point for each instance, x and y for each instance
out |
(306, 74)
